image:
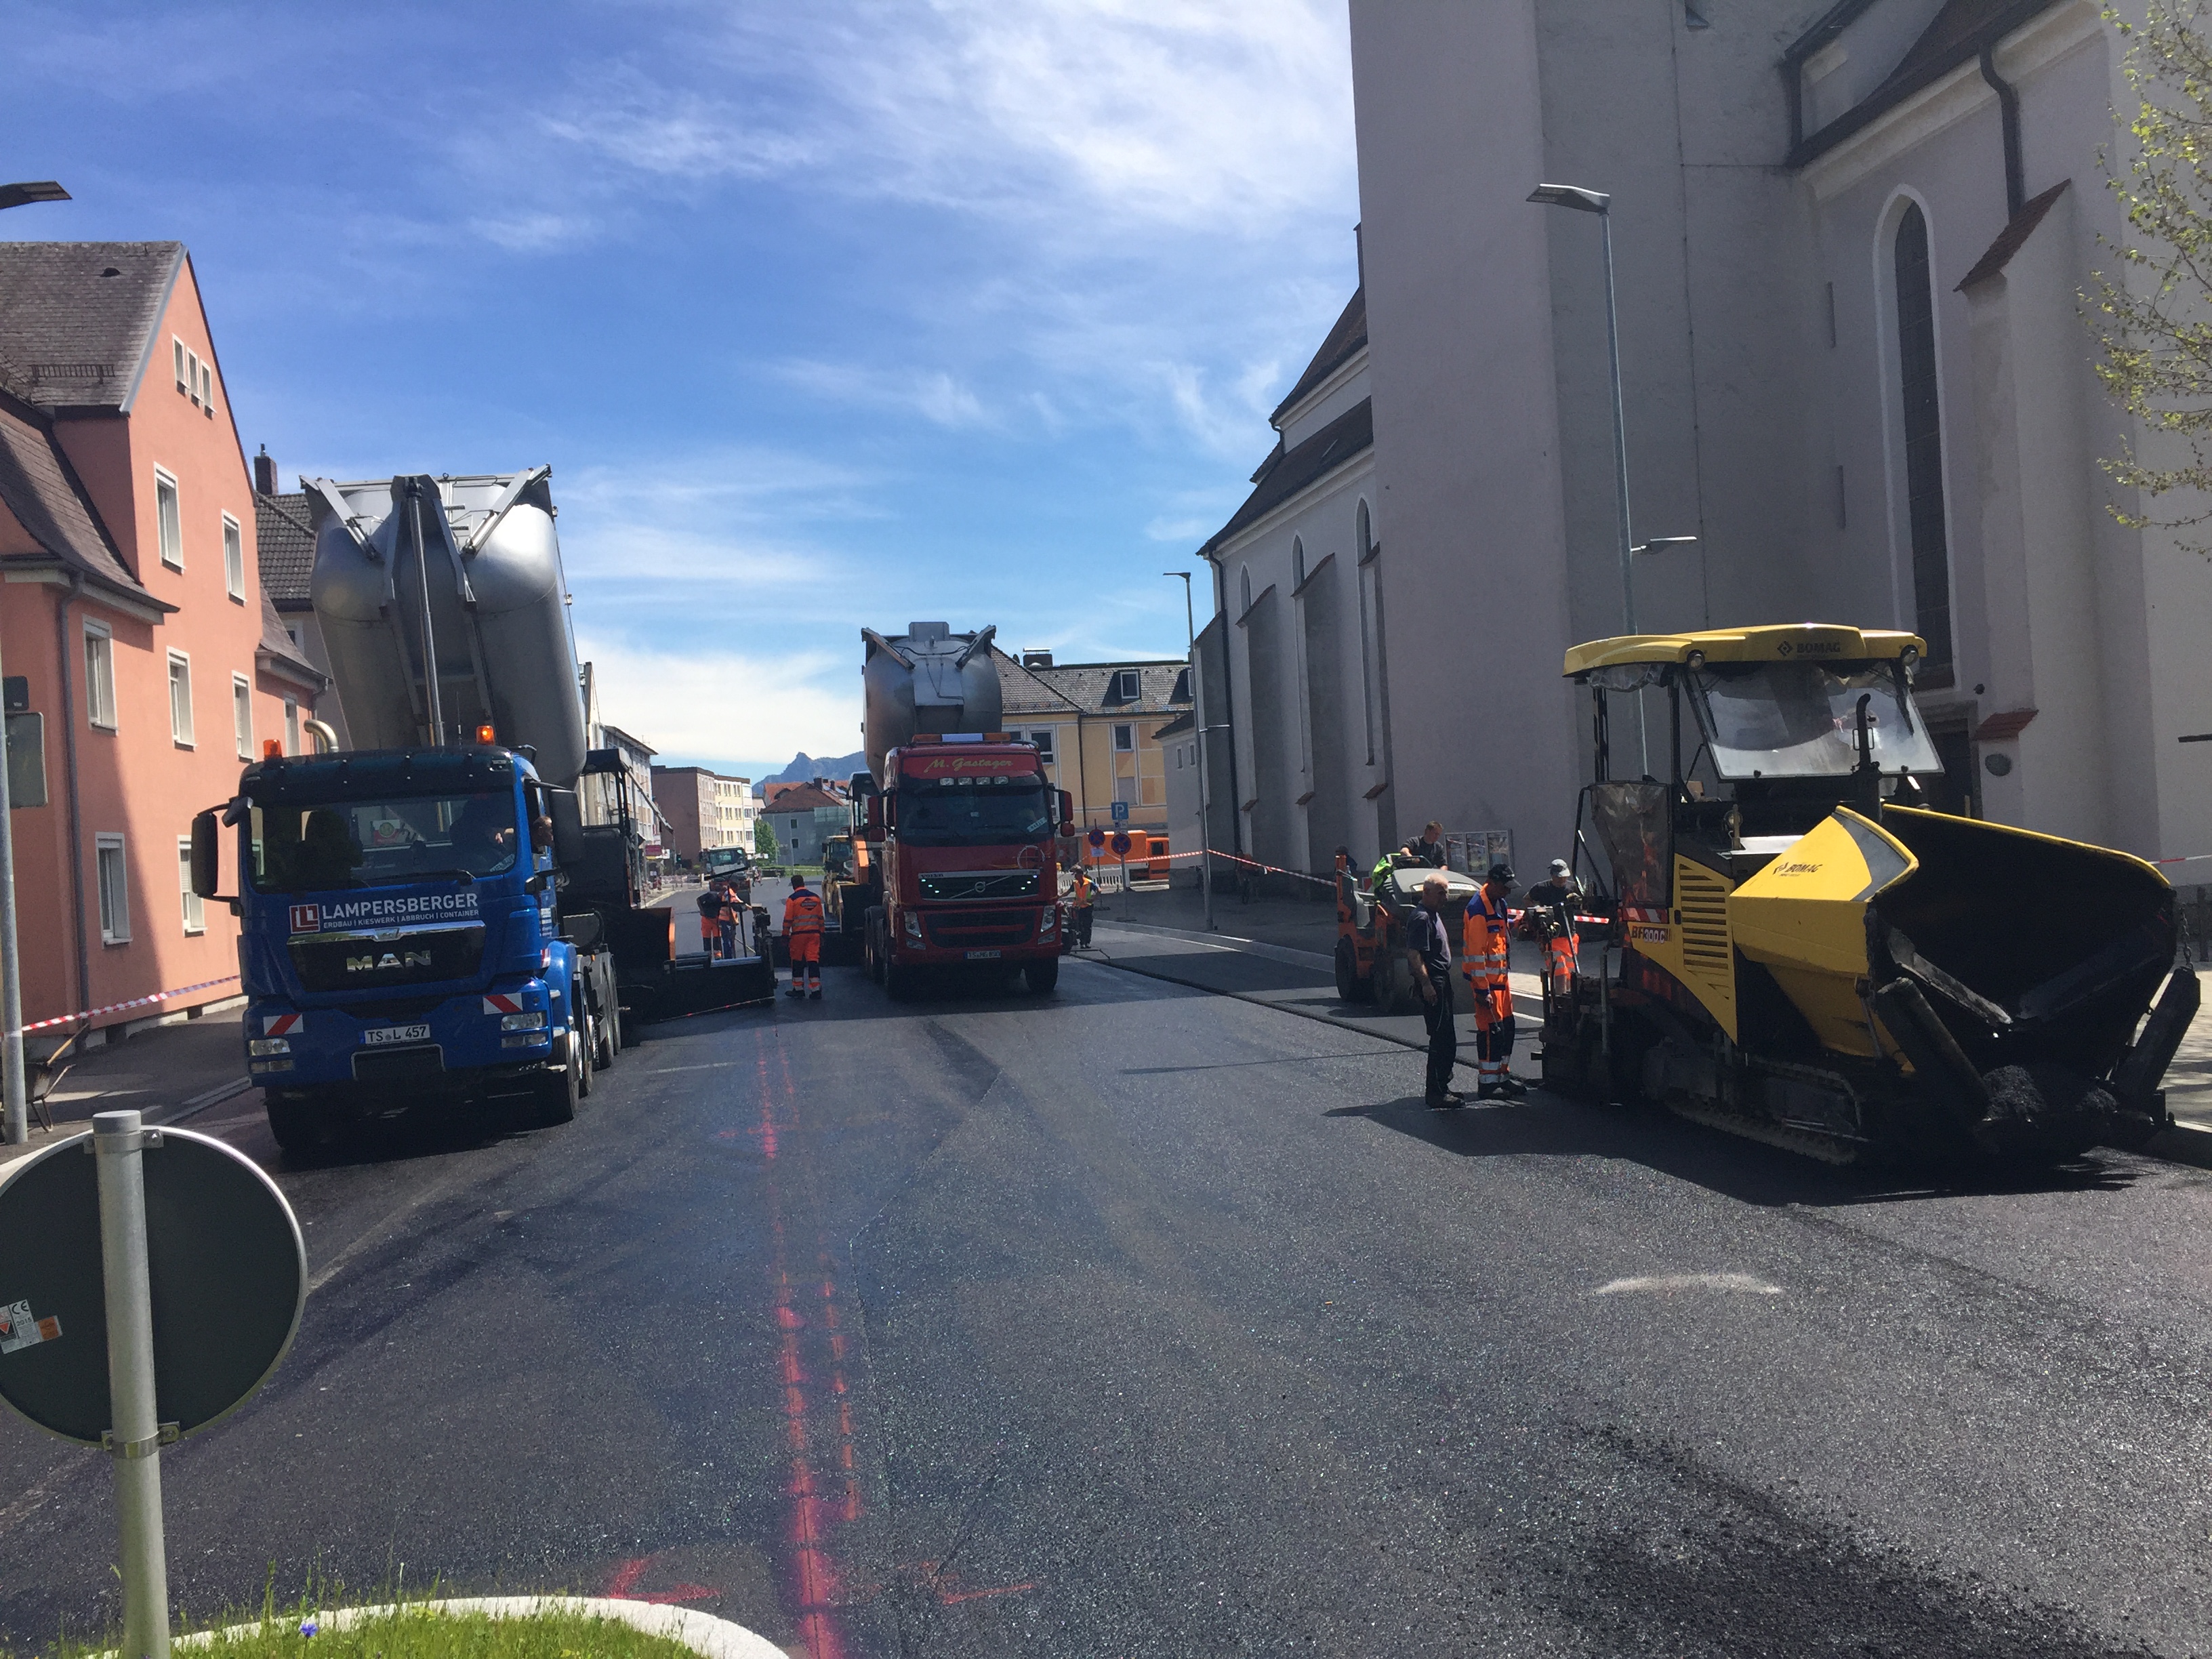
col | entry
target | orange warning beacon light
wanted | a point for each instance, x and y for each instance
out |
(484, 734)
(271, 748)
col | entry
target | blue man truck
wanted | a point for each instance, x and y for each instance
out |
(430, 918)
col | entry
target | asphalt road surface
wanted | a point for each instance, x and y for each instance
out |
(1143, 1321)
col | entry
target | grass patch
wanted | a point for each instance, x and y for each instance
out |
(420, 1632)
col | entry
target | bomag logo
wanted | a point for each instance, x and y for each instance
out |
(1652, 935)
(374, 963)
(1797, 868)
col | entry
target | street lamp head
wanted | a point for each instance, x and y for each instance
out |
(1572, 196)
(44, 190)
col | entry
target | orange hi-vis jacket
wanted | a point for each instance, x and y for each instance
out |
(1081, 891)
(802, 913)
(1483, 957)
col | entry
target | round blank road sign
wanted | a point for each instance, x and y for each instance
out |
(1121, 843)
(1098, 839)
(229, 1274)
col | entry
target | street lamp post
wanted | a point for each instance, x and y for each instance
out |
(1598, 202)
(1198, 719)
(14, 1101)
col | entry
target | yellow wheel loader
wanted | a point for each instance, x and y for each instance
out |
(1801, 953)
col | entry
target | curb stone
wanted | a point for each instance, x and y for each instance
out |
(703, 1633)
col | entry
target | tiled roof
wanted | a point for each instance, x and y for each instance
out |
(39, 487)
(72, 335)
(1346, 336)
(1021, 692)
(1955, 36)
(806, 797)
(2010, 240)
(1084, 685)
(1334, 443)
(1181, 723)
(286, 538)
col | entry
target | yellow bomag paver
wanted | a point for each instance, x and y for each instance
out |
(1795, 947)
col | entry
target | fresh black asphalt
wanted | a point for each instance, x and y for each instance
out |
(1143, 1322)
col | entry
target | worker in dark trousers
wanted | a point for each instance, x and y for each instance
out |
(802, 937)
(1080, 897)
(1487, 966)
(1429, 943)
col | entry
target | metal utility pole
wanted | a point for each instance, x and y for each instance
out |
(1598, 202)
(1198, 719)
(118, 1144)
(14, 1094)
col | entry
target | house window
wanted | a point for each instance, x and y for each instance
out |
(1244, 588)
(1125, 789)
(114, 890)
(169, 518)
(1923, 438)
(1297, 562)
(99, 675)
(1125, 739)
(1127, 686)
(176, 351)
(207, 390)
(234, 559)
(180, 699)
(241, 714)
(291, 725)
(195, 911)
(1043, 738)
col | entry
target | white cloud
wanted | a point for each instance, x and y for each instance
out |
(935, 396)
(717, 707)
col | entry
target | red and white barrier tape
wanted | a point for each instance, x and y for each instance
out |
(135, 1002)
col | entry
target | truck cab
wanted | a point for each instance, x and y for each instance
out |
(962, 843)
(400, 938)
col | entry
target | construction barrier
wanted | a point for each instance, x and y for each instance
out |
(135, 1002)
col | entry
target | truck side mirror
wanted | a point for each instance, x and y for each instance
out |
(1066, 813)
(568, 815)
(207, 855)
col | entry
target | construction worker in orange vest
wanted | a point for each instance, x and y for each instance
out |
(1080, 897)
(1549, 916)
(1485, 960)
(802, 936)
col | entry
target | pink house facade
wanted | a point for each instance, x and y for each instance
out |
(132, 609)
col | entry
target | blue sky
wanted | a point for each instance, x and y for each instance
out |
(825, 312)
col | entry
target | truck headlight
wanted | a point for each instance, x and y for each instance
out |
(914, 927)
(531, 1022)
(270, 1046)
(1048, 922)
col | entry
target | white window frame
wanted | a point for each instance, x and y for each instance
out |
(1048, 750)
(194, 907)
(291, 725)
(1130, 731)
(177, 350)
(207, 389)
(169, 526)
(185, 738)
(241, 714)
(234, 559)
(115, 890)
(99, 676)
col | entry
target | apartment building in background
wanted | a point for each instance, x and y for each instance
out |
(1096, 728)
(705, 809)
(804, 816)
(132, 613)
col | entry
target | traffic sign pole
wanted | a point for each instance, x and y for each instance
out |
(118, 1141)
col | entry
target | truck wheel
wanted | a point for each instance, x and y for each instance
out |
(900, 983)
(302, 1127)
(607, 1024)
(586, 1042)
(557, 1091)
(877, 944)
(1351, 986)
(1041, 975)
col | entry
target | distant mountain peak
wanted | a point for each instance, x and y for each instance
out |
(805, 768)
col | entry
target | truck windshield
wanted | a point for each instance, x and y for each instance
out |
(300, 847)
(965, 815)
(1800, 720)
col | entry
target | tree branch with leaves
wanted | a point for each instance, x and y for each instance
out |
(2151, 315)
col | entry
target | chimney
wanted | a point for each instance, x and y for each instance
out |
(1036, 658)
(265, 472)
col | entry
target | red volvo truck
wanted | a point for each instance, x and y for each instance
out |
(957, 832)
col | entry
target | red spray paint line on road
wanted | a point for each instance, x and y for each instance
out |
(818, 1589)
(622, 1586)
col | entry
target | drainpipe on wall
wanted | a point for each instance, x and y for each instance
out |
(75, 808)
(2008, 117)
